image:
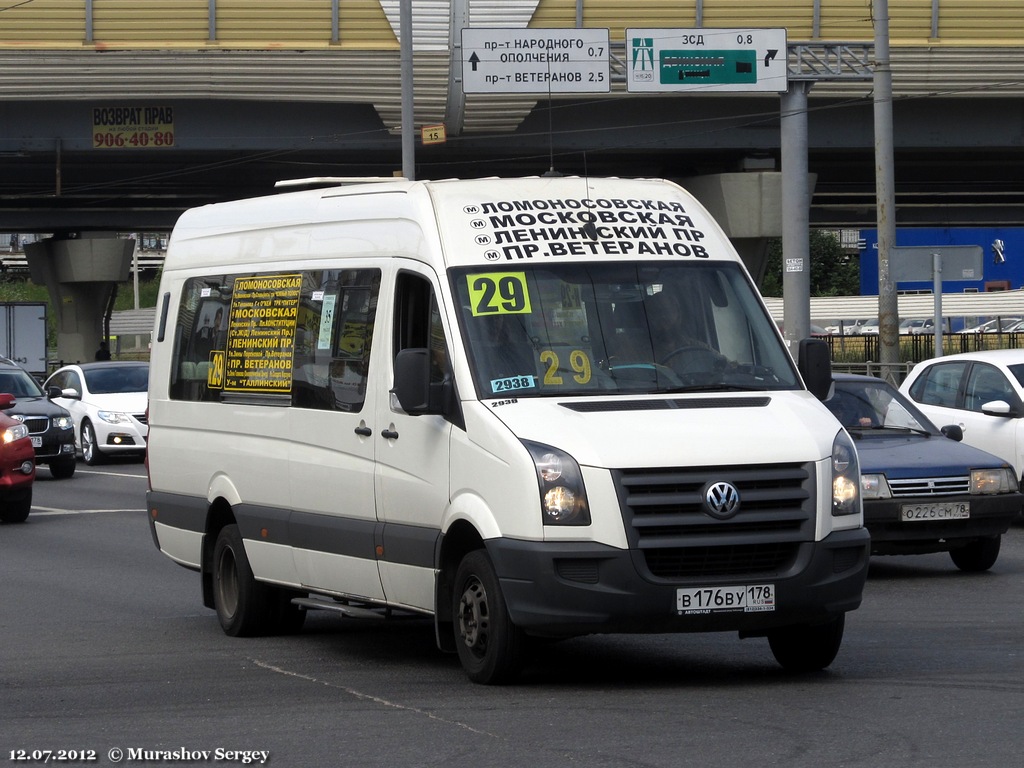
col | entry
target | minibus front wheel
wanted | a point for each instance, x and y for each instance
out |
(490, 645)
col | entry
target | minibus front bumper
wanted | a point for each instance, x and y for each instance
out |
(567, 589)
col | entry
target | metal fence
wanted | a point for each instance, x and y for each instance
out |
(861, 354)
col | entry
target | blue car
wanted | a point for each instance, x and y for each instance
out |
(924, 490)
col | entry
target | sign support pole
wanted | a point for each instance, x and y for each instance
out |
(408, 122)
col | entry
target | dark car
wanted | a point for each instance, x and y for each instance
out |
(17, 467)
(50, 427)
(923, 490)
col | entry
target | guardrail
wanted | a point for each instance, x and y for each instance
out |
(14, 263)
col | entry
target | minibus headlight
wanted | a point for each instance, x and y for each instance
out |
(563, 500)
(875, 487)
(997, 480)
(16, 432)
(846, 499)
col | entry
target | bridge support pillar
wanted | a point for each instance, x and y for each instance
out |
(748, 205)
(81, 275)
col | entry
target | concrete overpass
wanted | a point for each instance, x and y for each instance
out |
(253, 92)
(242, 93)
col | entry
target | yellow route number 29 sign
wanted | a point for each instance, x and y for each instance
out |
(499, 293)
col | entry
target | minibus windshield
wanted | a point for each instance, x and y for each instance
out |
(636, 327)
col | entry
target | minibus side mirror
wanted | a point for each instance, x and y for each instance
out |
(814, 360)
(412, 380)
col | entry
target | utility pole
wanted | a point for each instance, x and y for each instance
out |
(885, 197)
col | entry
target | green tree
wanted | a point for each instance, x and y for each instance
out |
(834, 271)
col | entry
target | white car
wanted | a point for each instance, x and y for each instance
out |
(107, 401)
(994, 326)
(983, 392)
(869, 327)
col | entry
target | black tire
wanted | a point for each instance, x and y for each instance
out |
(245, 607)
(807, 647)
(62, 469)
(489, 644)
(979, 555)
(90, 450)
(15, 509)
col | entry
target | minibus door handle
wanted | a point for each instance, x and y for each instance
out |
(364, 431)
(389, 434)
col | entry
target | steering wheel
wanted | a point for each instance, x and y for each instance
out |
(656, 368)
(712, 357)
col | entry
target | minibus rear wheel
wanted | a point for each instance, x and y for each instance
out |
(489, 644)
(243, 604)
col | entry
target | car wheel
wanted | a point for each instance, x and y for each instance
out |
(489, 644)
(90, 451)
(16, 508)
(245, 607)
(807, 647)
(61, 469)
(979, 555)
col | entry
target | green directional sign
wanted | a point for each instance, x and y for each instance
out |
(706, 60)
(709, 67)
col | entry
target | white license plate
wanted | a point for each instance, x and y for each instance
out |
(748, 599)
(960, 510)
(37, 442)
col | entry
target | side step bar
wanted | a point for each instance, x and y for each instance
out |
(351, 611)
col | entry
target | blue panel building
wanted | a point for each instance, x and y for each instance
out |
(1007, 275)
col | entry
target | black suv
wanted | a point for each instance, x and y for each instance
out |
(49, 425)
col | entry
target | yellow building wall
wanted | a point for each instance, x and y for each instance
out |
(978, 22)
(248, 24)
(44, 21)
(300, 24)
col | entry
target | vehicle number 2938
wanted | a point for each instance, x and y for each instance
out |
(750, 598)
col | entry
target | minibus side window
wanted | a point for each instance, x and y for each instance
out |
(418, 323)
(333, 337)
(319, 327)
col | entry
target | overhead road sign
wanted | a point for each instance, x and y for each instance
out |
(516, 60)
(706, 60)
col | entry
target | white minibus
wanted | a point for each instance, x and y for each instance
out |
(526, 408)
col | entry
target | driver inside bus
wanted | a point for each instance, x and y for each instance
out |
(672, 338)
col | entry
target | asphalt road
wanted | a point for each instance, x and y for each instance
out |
(106, 646)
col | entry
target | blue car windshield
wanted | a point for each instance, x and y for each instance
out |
(863, 404)
(652, 327)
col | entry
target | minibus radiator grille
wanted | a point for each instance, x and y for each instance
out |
(672, 527)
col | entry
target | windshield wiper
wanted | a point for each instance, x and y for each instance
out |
(718, 387)
(890, 428)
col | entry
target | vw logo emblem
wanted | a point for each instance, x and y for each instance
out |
(722, 500)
